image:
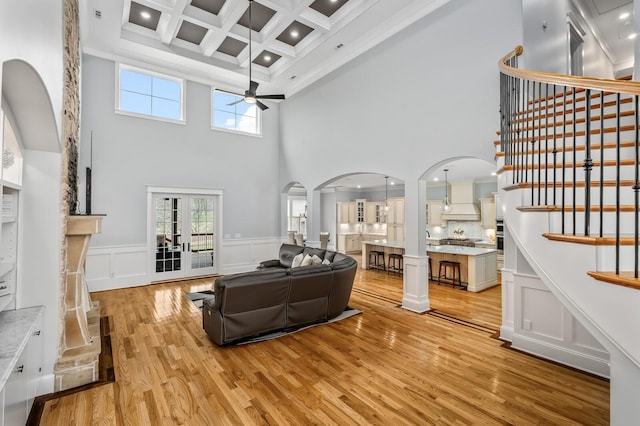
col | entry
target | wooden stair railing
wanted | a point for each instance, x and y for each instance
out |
(573, 142)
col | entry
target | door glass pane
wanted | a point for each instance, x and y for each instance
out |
(168, 234)
(202, 232)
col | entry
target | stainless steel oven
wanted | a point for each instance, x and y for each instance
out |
(500, 235)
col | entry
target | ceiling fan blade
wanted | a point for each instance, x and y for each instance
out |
(253, 86)
(229, 92)
(236, 102)
(261, 105)
(270, 97)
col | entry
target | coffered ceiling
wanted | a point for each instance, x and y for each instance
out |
(293, 42)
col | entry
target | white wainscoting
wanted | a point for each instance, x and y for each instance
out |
(544, 327)
(113, 267)
(508, 305)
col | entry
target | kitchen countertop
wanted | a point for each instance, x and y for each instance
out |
(448, 249)
(467, 251)
(16, 327)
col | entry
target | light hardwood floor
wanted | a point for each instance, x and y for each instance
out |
(386, 366)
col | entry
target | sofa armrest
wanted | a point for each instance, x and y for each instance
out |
(273, 263)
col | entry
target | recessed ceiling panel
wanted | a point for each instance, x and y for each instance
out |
(266, 58)
(260, 15)
(327, 7)
(604, 6)
(231, 46)
(144, 16)
(294, 33)
(211, 6)
(191, 32)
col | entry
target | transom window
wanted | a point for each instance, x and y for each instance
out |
(231, 112)
(150, 94)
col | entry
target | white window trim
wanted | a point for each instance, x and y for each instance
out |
(233, 131)
(121, 66)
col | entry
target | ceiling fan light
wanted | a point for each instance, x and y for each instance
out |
(250, 99)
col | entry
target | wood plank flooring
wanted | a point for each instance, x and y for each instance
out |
(386, 366)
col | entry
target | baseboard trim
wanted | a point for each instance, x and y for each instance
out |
(589, 364)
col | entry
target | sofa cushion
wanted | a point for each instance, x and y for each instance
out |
(318, 252)
(307, 260)
(315, 260)
(297, 260)
(326, 262)
(287, 253)
(329, 255)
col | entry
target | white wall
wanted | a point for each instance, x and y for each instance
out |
(396, 109)
(546, 47)
(130, 153)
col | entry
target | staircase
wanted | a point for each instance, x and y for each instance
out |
(569, 180)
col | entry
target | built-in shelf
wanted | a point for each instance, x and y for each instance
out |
(8, 219)
(7, 184)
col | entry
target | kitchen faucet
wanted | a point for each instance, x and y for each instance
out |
(428, 234)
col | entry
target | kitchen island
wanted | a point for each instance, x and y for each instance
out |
(477, 265)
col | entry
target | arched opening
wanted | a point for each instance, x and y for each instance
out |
(362, 206)
(464, 233)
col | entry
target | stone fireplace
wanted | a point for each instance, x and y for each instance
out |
(80, 345)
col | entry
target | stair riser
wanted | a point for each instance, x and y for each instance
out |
(606, 255)
(610, 172)
(627, 196)
(555, 223)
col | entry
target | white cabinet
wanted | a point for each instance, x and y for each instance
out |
(347, 212)
(395, 219)
(360, 211)
(373, 213)
(434, 214)
(488, 213)
(20, 333)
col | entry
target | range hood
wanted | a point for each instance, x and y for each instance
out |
(462, 206)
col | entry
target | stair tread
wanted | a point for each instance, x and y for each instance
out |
(579, 208)
(624, 278)
(579, 184)
(605, 240)
(569, 165)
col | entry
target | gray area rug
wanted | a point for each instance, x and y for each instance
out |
(197, 299)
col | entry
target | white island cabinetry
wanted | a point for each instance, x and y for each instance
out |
(477, 265)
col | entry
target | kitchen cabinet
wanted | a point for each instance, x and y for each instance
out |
(395, 219)
(434, 214)
(373, 213)
(20, 333)
(488, 213)
(347, 212)
(360, 211)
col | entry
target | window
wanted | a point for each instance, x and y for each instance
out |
(147, 93)
(231, 112)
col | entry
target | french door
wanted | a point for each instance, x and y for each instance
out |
(183, 233)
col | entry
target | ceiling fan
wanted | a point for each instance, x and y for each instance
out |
(250, 95)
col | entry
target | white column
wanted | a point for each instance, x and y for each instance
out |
(314, 211)
(416, 284)
(625, 381)
(636, 42)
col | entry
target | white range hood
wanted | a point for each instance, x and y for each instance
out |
(462, 206)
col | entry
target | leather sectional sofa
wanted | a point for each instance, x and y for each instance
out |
(278, 296)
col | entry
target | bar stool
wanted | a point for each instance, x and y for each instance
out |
(395, 263)
(445, 266)
(430, 270)
(374, 260)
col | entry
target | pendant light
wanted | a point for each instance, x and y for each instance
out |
(445, 207)
(386, 192)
